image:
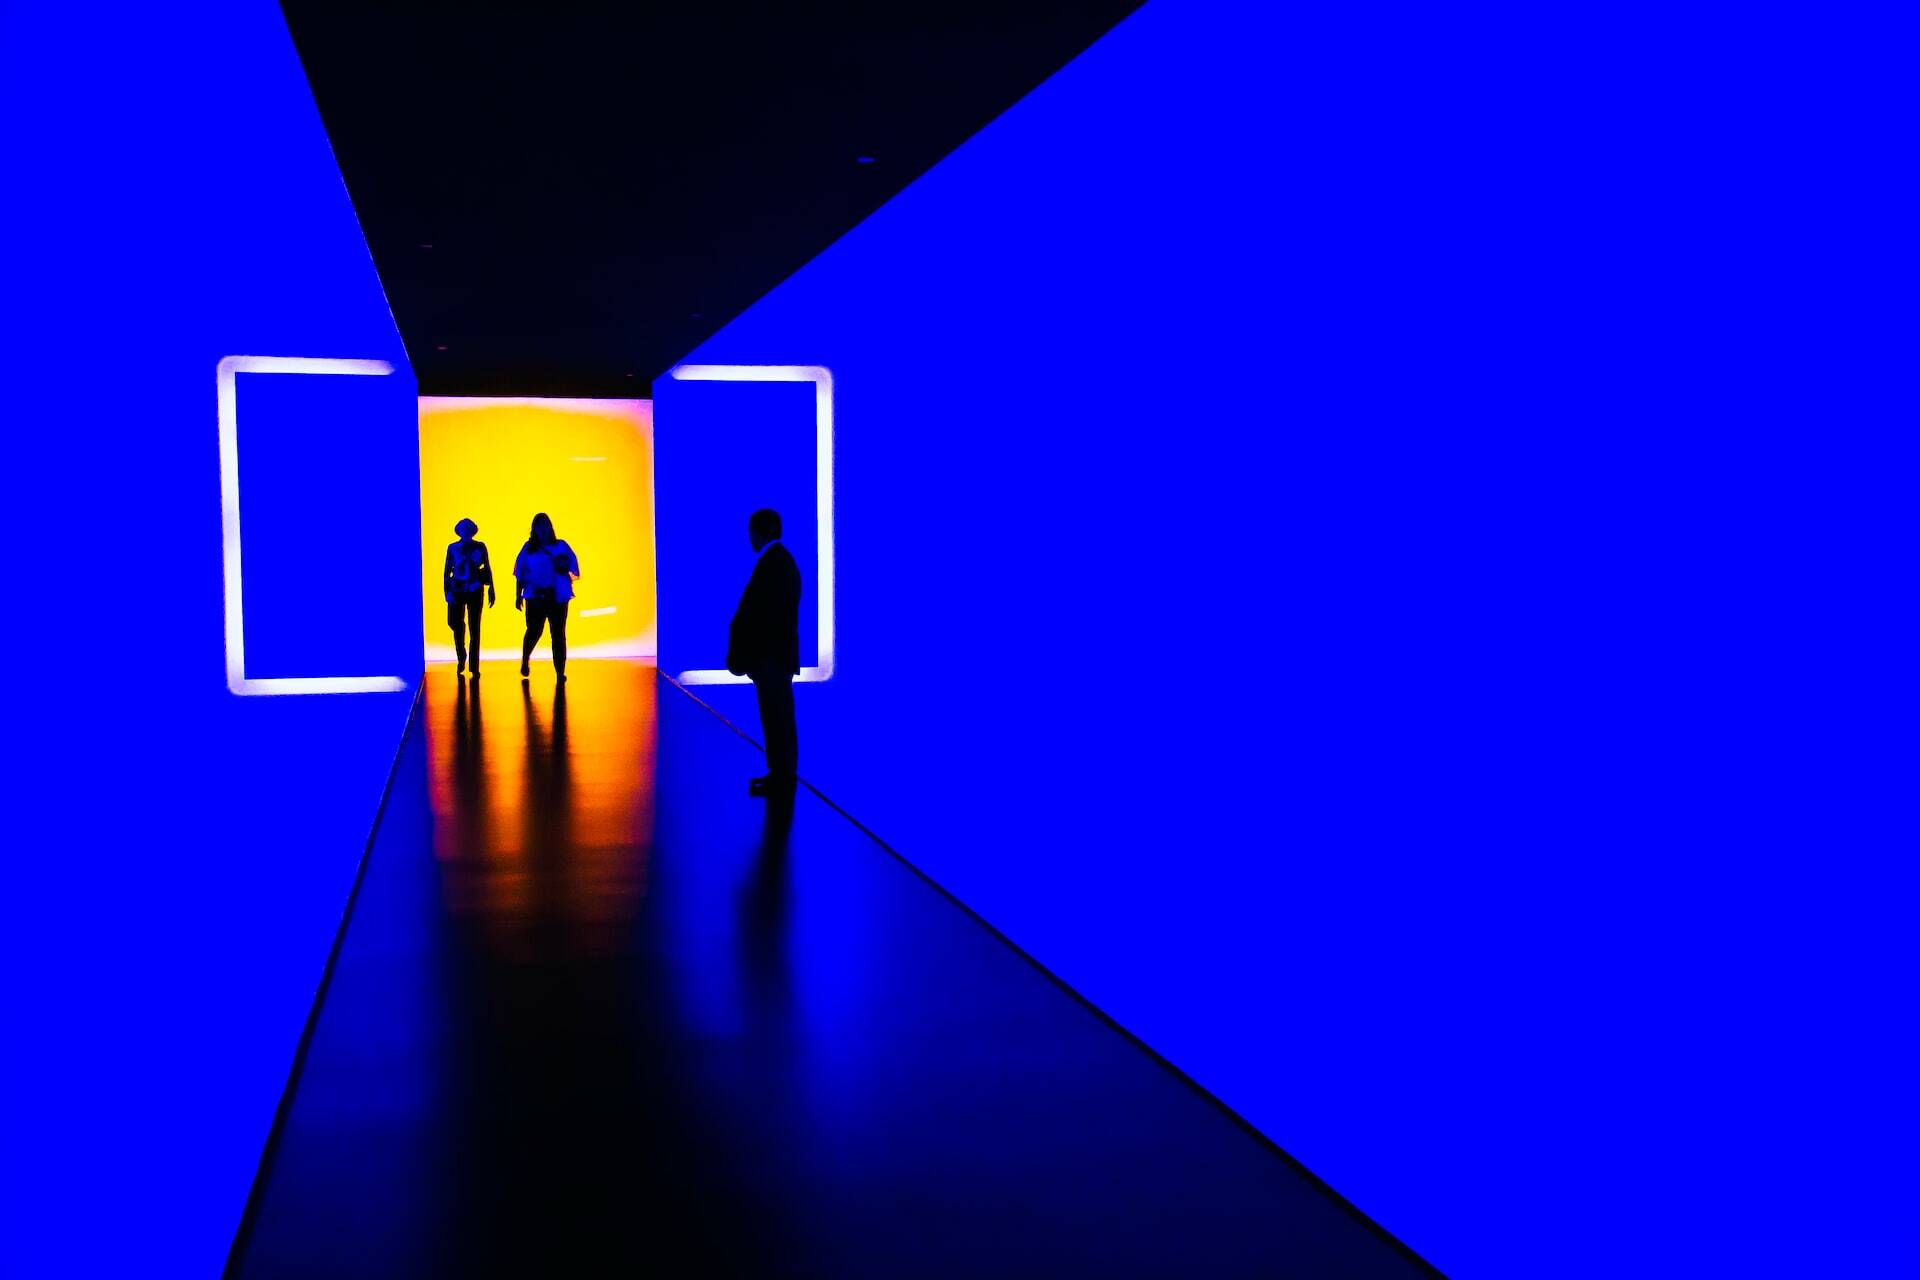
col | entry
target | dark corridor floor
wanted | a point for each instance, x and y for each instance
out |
(598, 1012)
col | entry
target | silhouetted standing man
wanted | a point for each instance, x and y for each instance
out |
(764, 644)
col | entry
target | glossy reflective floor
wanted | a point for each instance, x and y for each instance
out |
(598, 1012)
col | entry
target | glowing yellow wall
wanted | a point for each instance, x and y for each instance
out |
(586, 463)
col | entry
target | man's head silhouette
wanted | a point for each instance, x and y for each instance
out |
(763, 526)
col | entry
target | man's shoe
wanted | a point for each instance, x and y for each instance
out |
(524, 672)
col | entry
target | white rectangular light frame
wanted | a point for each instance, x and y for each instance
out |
(237, 680)
(822, 380)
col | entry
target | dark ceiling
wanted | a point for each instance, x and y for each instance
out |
(565, 200)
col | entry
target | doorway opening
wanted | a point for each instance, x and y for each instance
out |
(589, 465)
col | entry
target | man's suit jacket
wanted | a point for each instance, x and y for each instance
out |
(764, 639)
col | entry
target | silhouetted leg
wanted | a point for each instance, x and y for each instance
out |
(536, 622)
(475, 605)
(456, 619)
(558, 620)
(777, 726)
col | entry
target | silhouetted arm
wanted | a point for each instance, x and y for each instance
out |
(486, 572)
(743, 634)
(446, 577)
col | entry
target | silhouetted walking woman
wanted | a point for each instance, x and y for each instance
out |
(467, 575)
(543, 574)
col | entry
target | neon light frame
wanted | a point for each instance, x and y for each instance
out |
(822, 380)
(237, 681)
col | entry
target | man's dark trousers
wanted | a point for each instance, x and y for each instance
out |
(463, 615)
(776, 725)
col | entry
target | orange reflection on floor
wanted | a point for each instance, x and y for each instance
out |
(543, 802)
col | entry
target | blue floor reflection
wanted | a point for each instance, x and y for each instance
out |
(598, 1012)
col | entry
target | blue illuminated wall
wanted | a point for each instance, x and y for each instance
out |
(177, 857)
(1337, 559)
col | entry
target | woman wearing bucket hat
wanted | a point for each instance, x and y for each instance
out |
(467, 575)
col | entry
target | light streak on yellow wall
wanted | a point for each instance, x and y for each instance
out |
(586, 463)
